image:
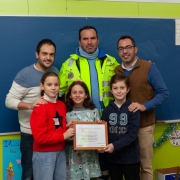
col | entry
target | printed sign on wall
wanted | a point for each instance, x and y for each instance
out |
(11, 160)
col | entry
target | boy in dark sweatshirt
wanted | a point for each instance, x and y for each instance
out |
(123, 148)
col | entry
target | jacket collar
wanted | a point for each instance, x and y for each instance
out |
(100, 55)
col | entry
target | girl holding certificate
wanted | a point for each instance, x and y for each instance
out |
(48, 127)
(81, 164)
(123, 149)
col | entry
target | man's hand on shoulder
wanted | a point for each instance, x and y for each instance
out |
(134, 106)
(38, 102)
(26, 106)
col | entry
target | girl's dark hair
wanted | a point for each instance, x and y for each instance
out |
(87, 102)
(117, 77)
(44, 78)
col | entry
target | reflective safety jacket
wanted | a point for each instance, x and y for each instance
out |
(77, 68)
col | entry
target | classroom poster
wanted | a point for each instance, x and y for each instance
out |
(11, 160)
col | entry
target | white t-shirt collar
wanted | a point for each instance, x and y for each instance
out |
(131, 67)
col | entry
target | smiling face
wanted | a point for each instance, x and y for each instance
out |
(45, 57)
(89, 40)
(78, 95)
(50, 86)
(128, 56)
(119, 91)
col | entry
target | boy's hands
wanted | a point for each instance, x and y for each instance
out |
(69, 133)
(109, 148)
(101, 150)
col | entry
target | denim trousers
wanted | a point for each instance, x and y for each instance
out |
(49, 165)
(26, 147)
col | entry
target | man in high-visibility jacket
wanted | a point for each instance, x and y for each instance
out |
(91, 65)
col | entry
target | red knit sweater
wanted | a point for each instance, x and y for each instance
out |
(48, 124)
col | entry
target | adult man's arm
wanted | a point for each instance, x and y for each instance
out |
(15, 96)
(161, 91)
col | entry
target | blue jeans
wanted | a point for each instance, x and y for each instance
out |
(26, 147)
(49, 165)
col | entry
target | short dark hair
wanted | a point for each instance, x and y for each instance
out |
(45, 41)
(87, 102)
(47, 74)
(127, 37)
(118, 77)
(87, 28)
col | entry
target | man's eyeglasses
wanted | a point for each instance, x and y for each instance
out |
(127, 48)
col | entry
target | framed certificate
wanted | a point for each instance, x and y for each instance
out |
(90, 135)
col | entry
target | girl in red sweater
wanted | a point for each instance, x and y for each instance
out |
(48, 125)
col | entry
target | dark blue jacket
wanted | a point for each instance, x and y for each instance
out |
(123, 127)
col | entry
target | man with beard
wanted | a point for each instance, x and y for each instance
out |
(24, 95)
(91, 65)
(147, 91)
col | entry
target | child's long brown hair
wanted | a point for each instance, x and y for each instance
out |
(87, 102)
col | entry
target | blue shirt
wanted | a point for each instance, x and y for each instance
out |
(156, 81)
